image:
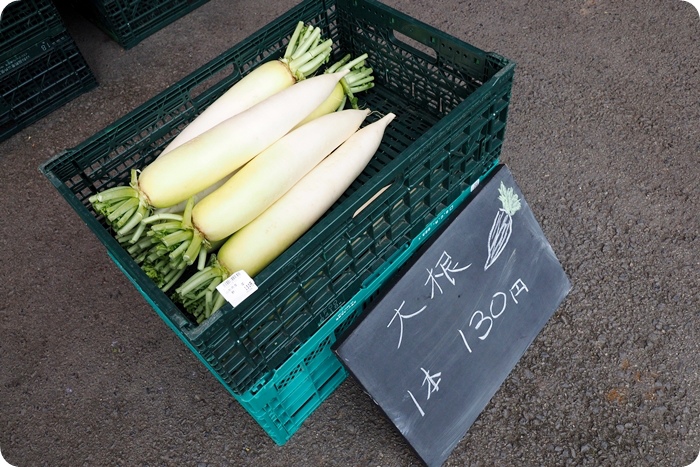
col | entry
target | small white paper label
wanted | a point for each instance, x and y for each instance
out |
(237, 287)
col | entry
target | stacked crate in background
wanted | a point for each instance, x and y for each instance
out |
(41, 67)
(129, 22)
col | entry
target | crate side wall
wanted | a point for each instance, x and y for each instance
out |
(134, 140)
(50, 74)
(362, 245)
(426, 159)
(282, 403)
(26, 23)
(128, 22)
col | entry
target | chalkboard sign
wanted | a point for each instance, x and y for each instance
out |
(436, 345)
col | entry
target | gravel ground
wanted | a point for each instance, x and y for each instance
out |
(604, 140)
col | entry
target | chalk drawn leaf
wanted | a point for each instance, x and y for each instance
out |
(502, 226)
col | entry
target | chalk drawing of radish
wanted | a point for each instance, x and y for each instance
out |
(502, 225)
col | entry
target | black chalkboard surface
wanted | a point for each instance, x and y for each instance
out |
(434, 347)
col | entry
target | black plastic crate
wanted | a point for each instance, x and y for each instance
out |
(25, 23)
(39, 80)
(451, 101)
(129, 22)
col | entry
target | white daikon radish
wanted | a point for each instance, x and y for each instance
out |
(211, 156)
(264, 180)
(305, 53)
(358, 79)
(258, 243)
(274, 171)
(254, 246)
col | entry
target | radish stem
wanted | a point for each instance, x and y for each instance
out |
(198, 294)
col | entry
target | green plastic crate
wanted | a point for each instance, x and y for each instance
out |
(40, 79)
(129, 22)
(25, 23)
(451, 102)
(313, 372)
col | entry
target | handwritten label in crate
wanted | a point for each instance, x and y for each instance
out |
(436, 345)
(237, 287)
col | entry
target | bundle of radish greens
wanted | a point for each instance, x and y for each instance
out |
(249, 175)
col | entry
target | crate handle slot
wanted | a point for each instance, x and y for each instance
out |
(415, 47)
(219, 77)
(369, 201)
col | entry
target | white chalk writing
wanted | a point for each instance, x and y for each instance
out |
(433, 385)
(420, 409)
(444, 269)
(519, 286)
(497, 306)
(401, 318)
